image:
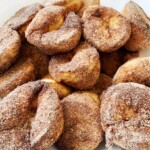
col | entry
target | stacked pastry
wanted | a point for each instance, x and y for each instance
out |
(64, 65)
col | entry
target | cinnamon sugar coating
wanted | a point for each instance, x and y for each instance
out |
(125, 115)
(82, 128)
(140, 27)
(9, 47)
(39, 59)
(105, 28)
(79, 69)
(22, 72)
(136, 70)
(15, 107)
(58, 40)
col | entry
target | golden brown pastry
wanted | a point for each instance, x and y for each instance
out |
(46, 125)
(61, 89)
(102, 84)
(140, 27)
(105, 28)
(79, 69)
(23, 17)
(86, 4)
(39, 59)
(22, 72)
(69, 5)
(82, 128)
(136, 70)
(9, 47)
(52, 33)
(125, 115)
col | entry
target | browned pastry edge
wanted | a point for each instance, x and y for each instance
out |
(79, 69)
(9, 47)
(82, 128)
(105, 28)
(140, 27)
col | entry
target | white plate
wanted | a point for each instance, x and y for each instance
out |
(9, 7)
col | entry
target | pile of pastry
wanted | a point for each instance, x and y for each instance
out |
(70, 74)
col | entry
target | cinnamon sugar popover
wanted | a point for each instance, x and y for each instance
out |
(69, 5)
(9, 47)
(79, 68)
(23, 17)
(46, 125)
(82, 128)
(105, 28)
(140, 27)
(125, 116)
(136, 70)
(52, 31)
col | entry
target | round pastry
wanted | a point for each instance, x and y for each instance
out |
(136, 70)
(48, 123)
(39, 59)
(105, 28)
(61, 89)
(22, 72)
(86, 4)
(9, 47)
(79, 69)
(82, 128)
(15, 107)
(23, 17)
(140, 27)
(110, 62)
(125, 114)
(102, 84)
(52, 33)
(70, 5)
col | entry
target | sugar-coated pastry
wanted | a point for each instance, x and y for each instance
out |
(140, 27)
(54, 32)
(82, 129)
(105, 28)
(79, 68)
(125, 114)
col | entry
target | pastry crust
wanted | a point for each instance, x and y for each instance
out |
(125, 115)
(69, 5)
(39, 59)
(82, 128)
(23, 17)
(79, 69)
(105, 28)
(140, 27)
(9, 47)
(22, 72)
(51, 34)
(136, 70)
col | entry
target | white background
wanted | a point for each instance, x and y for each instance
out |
(9, 7)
